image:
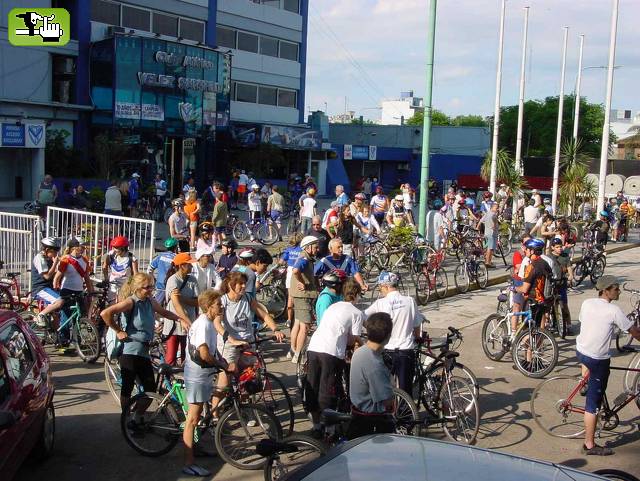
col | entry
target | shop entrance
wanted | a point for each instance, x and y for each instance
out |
(179, 162)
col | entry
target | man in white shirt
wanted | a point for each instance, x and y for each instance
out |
(531, 216)
(406, 328)
(598, 320)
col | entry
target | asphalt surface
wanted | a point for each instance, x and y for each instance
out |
(89, 443)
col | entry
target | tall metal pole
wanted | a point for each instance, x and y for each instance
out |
(521, 96)
(426, 128)
(604, 152)
(496, 110)
(576, 110)
(556, 164)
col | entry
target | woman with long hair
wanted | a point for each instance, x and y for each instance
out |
(192, 209)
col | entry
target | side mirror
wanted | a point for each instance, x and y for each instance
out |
(7, 419)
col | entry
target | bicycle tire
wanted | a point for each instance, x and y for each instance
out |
(495, 333)
(461, 278)
(460, 410)
(275, 397)
(164, 421)
(579, 273)
(423, 291)
(481, 279)
(597, 270)
(630, 377)
(87, 339)
(538, 366)
(240, 231)
(548, 411)
(240, 452)
(283, 464)
(468, 375)
(6, 299)
(113, 378)
(505, 243)
(441, 282)
(267, 234)
(405, 412)
(623, 338)
(615, 474)
(273, 299)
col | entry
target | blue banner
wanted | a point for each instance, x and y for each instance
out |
(12, 135)
(360, 152)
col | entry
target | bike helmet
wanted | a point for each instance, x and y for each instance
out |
(556, 241)
(360, 196)
(230, 243)
(534, 244)
(52, 242)
(311, 191)
(547, 201)
(334, 278)
(307, 241)
(206, 227)
(171, 243)
(255, 187)
(604, 213)
(487, 195)
(388, 279)
(177, 202)
(119, 242)
(247, 253)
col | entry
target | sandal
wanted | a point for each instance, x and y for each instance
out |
(597, 450)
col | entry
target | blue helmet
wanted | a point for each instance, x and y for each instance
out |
(534, 244)
(469, 202)
(604, 213)
(388, 278)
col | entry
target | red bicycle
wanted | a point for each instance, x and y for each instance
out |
(11, 298)
(431, 277)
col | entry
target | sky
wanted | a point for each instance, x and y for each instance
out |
(368, 50)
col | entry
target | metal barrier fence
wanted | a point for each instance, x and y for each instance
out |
(20, 236)
(99, 229)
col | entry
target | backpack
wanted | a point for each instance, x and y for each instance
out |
(113, 345)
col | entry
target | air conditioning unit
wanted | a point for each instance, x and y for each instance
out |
(64, 65)
(113, 29)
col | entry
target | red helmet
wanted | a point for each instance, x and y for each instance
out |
(334, 278)
(461, 202)
(119, 241)
(487, 195)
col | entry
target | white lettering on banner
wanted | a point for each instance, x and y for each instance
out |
(185, 61)
(152, 112)
(169, 81)
(156, 80)
(127, 110)
(197, 84)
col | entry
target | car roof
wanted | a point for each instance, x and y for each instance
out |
(406, 458)
(6, 316)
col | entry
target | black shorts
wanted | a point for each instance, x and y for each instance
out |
(134, 367)
(323, 385)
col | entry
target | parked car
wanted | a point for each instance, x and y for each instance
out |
(383, 457)
(27, 416)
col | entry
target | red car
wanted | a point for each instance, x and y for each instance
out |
(27, 417)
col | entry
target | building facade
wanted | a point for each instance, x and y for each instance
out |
(398, 111)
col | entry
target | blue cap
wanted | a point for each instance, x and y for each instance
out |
(388, 278)
(604, 213)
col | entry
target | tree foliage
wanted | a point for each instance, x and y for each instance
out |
(60, 159)
(108, 154)
(505, 171)
(440, 118)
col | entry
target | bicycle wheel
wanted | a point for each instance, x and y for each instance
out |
(459, 410)
(158, 429)
(441, 283)
(505, 242)
(631, 377)
(481, 275)
(267, 234)
(6, 299)
(623, 338)
(597, 271)
(579, 273)
(615, 474)
(87, 340)
(422, 288)
(495, 337)
(461, 278)
(113, 377)
(502, 308)
(554, 412)
(240, 429)
(463, 372)
(240, 231)
(535, 352)
(405, 413)
(307, 449)
(273, 299)
(275, 397)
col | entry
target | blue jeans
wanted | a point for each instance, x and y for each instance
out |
(598, 379)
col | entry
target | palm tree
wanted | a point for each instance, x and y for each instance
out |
(505, 171)
(573, 182)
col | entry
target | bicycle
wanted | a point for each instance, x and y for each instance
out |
(559, 319)
(431, 277)
(623, 338)
(264, 231)
(286, 456)
(557, 405)
(471, 269)
(272, 292)
(592, 264)
(236, 433)
(534, 350)
(11, 298)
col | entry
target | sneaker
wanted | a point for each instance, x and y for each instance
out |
(195, 470)
(597, 450)
(41, 321)
(289, 355)
(294, 358)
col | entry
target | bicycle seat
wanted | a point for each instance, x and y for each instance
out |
(269, 447)
(439, 342)
(502, 297)
(448, 355)
(168, 370)
(329, 417)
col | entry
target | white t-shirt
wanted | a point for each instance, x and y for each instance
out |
(339, 320)
(207, 277)
(120, 267)
(201, 332)
(72, 279)
(407, 200)
(308, 204)
(597, 320)
(523, 265)
(255, 205)
(531, 214)
(404, 315)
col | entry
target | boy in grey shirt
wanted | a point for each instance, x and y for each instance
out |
(491, 230)
(370, 386)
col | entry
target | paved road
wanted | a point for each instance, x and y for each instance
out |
(89, 444)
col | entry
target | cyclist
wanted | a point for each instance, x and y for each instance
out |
(255, 207)
(599, 318)
(358, 203)
(220, 217)
(379, 204)
(304, 291)
(332, 292)
(205, 271)
(562, 263)
(253, 263)
(159, 266)
(491, 230)
(228, 259)
(327, 351)
(206, 240)
(308, 209)
(43, 269)
(487, 202)
(319, 233)
(534, 281)
(289, 257)
(338, 260)
(275, 208)
(370, 388)
(406, 327)
(179, 224)
(345, 230)
(118, 265)
(192, 209)
(367, 224)
(161, 193)
(397, 215)
(520, 262)
(624, 211)
(600, 229)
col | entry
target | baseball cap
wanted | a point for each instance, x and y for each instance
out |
(183, 258)
(387, 279)
(398, 197)
(73, 242)
(605, 282)
(135, 174)
(208, 251)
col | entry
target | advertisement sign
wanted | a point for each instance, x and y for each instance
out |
(31, 136)
(127, 110)
(348, 152)
(12, 135)
(152, 112)
(291, 137)
(39, 27)
(360, 152)
(373, 152)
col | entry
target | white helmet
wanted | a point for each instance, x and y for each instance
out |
(255, 186)
(307, 241)
(53, 242)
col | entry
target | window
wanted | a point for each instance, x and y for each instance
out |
(267, 96)
(269, 46)
(136, 18)
(246, 93)
(18, 353)
(271, 3)
(165, 24)
(191, 30)
(64, 73)
(287, 98)
(292, 5)
(247, 42)
(105, 12)
(289, 50)
(225, 37)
